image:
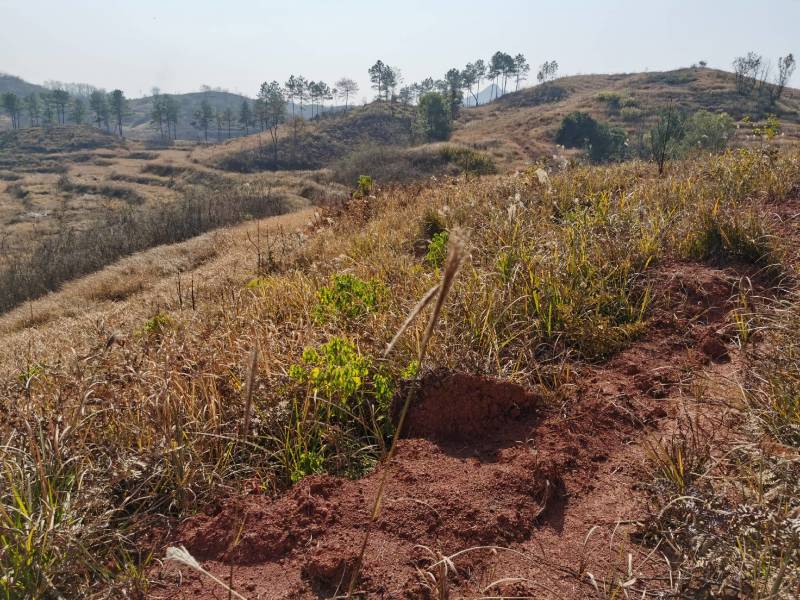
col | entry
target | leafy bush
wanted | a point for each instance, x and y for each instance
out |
(580, 130)
(576, 131)
(347, 297)
(343, 390)
(437, 249)
(608, 144)
(709, 131)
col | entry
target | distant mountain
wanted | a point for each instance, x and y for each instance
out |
(137, 124)
(486, 95)
(17, 85)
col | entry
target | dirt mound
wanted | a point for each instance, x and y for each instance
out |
(441, 496)
(458, 407)
(483, 464)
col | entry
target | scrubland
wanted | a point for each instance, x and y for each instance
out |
(261, 366)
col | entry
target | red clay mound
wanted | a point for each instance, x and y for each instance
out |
(456, 407)
(484, 463)
(442, 496)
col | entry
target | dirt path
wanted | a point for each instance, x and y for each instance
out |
(554, 489)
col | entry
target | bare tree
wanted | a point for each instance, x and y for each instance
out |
(747, 69)
(346, 87)
(786, 66)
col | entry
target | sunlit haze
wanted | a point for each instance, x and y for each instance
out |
(235, 45)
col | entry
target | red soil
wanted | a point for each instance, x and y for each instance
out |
(483, 463)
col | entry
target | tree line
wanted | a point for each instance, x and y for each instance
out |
(59, 107)
(754, 76)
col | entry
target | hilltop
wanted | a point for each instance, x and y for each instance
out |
(520, 127)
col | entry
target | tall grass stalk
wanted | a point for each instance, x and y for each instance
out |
(454, 258)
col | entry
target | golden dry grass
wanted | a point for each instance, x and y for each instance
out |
(518, 129)
(152, 390)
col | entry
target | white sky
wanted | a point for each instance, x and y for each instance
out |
(179, 45)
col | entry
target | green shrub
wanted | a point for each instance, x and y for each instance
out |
(158, 324)
(611, 99)
(576, 131)
(631, 114)
(608, 144)
(345, 411)
(347, 297)
(468, 160)
(437, 249)
(709, 131)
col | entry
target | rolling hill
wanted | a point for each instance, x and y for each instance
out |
(520, 127)
(137, 122)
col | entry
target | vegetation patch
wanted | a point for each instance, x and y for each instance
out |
(348, 297)
(343, 391)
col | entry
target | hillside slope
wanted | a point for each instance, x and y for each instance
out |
(520, 127)
(589, 309)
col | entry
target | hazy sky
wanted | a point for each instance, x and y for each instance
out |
(237, 44)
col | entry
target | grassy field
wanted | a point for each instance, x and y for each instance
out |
(73, 200)
(127, 416)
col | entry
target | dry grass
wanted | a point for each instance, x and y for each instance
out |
(68, 213)
(126, 413)
(726, 507)
(521, 128)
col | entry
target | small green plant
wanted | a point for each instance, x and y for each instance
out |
(437, 249)
(344, 414)
(411, 371)
(158, 324)
(365, 185)
(348, 297)
(30, 373)
(768, 129)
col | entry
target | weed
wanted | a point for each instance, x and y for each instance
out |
(159, 324)
(348, 297)
(437, 249)
(343, 391)
(365, 185)
(30, 373)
